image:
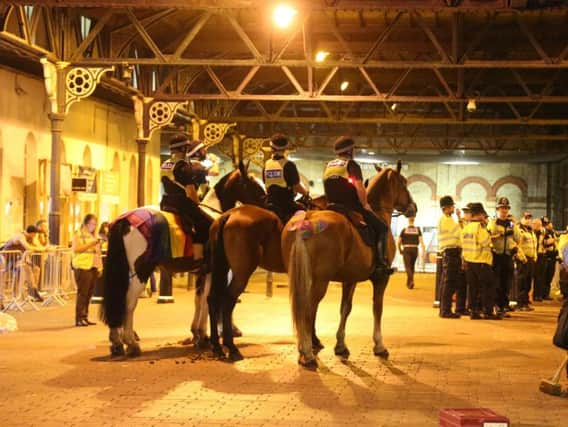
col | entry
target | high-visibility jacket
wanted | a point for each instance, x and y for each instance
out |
(476, 244)
(540, 249)
(448, 233)
(504, 236)
(527, 241)
(274, 172)
(87, 259)
(562, 245)
(337, 168)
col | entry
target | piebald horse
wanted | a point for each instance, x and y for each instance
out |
(126, 272)
(324, 246)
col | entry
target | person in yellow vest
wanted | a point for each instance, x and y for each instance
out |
(450, 245)
(282, 180)
(343, 185)
(525, 269)
(563, 258)
(505, 239)
(87, 265)
(478, 264)
(550, 244)
(461, 284)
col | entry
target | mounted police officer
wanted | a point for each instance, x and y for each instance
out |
(450, 246)
(181, 176)
(282, 180)
(343, 185)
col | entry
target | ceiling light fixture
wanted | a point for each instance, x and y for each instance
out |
(344, 85)
(284, 15)
(471, 105)
(321, 55)
(461, 162)
(394, 106)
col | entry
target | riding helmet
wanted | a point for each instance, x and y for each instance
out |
(343, 144)
(279, 142)
(502, 202)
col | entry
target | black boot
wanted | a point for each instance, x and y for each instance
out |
(381, 263)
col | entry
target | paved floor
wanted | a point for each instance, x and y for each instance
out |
(55, 374)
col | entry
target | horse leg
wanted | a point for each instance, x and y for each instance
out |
(116, 344)
(213, 301)
(306, 339)
(134, 290)
(199, 323)
(346, 305)
(379, 288)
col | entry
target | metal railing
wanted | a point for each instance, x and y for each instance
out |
(29, 278)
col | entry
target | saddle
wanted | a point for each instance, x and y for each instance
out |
(356, 219)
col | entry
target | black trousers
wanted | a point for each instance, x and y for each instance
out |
(461, 290)
(409, 255)
(451, 265)
(539, 277)
(526, 275)
(549, 275)
(503, 268)
(481, 287)
(564, 282)
(85, 280)
(439, 276)
(190, 214)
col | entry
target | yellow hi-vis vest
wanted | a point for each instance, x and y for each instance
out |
(85, 260)
(274, 173)
(562, 243)
(527, 242)
(337, 168)
(476, 244)
(448, 233)
(501, 243)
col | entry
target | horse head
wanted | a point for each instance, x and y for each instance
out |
(388, 191)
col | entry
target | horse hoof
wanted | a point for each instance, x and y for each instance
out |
(136, 337)
(133, 351)
(187, 341)
(317, 347)
(311, 364)
(203, 343)
(383, 354)
(342, 352)
(237, 333)
(218, 353)
(235, 356)
(116, 350)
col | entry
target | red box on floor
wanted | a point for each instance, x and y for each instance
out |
(471, 417)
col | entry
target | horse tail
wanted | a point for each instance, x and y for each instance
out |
(300, 277)
(219, 262)
(116, 276)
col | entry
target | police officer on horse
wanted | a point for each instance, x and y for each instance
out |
(181, 176)
(282, 180)
(343, 185)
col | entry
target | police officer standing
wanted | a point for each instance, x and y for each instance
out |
(409, 239)
(282, 180)
(343, 184)
(540, 265)
(505, 238)
(478, 259)
(550, 244)
(450, 245)
(525, 269)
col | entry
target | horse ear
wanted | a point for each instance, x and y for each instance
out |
(247, 167)
(242, 169)
(377, 167)
(399, 166)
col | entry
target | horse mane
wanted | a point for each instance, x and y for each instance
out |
(372, 188)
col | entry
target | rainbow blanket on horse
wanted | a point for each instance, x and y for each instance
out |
(164, 236)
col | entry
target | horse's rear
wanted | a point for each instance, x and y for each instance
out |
(318, 248)
(242, 240)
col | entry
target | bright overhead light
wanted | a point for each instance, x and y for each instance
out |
(471, 105)
(371, 153)
(321, 55)
(344, 85)
(283, 15)
(368, 160)
(461, 162)
(394, 106)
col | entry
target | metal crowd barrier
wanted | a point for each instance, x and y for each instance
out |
(25, 276)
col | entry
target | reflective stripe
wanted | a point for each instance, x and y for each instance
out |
(274, 173)
(337, 167)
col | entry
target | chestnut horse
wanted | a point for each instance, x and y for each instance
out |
(325, 246)
(127, 266)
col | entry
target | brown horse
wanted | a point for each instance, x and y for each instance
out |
(325, 246)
